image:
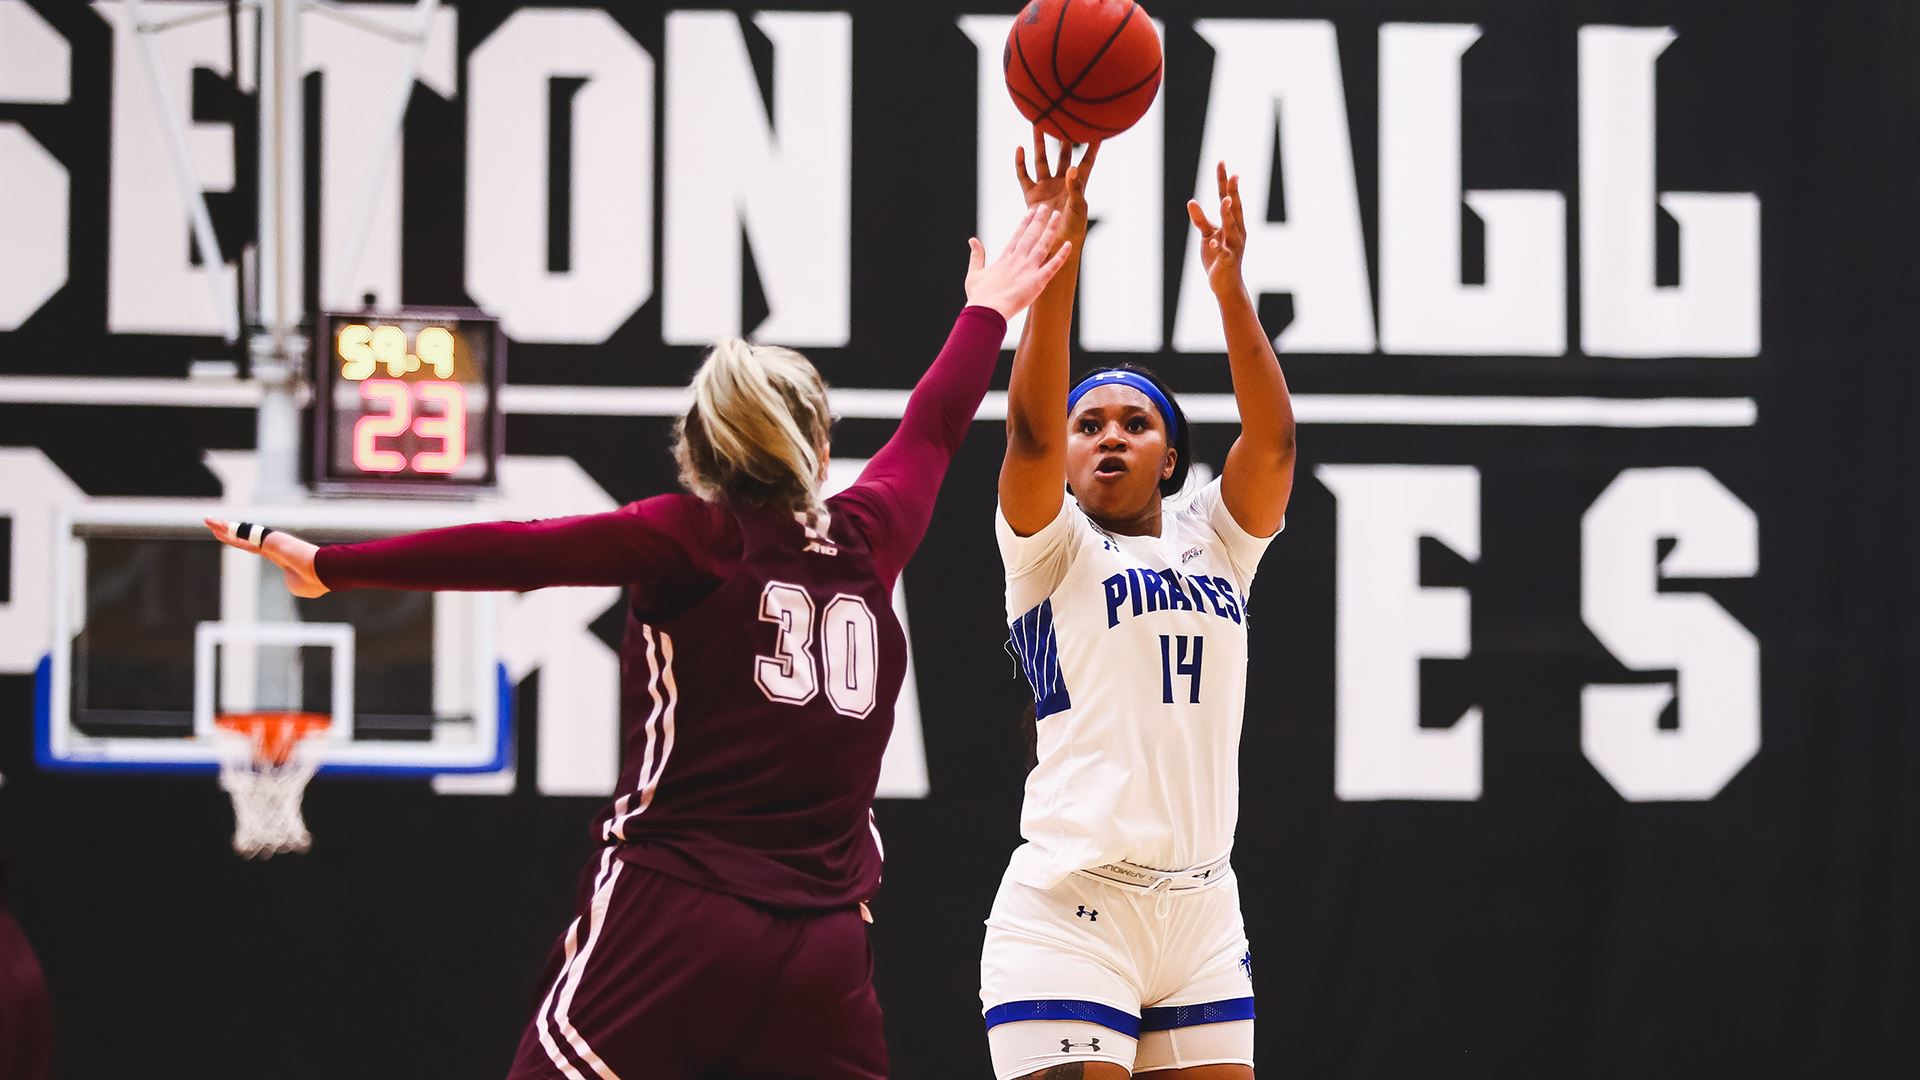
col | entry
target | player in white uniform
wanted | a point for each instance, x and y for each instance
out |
(1116, 944)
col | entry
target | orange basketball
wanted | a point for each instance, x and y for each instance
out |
(1083, 69)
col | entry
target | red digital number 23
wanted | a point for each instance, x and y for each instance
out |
(449, 428)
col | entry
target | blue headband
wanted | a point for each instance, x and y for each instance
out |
(1131, 379)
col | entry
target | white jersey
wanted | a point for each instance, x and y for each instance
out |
(1136, 648)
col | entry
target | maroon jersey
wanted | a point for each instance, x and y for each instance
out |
(767, 706)
(761, 661)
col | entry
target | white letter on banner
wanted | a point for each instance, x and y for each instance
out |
(1716, 659)
(153, 286)
(35, 69)
(1268, 71)
(358, 76)
(1522, 308)
(1121, 289)
(509, 93)
(1715, 310)
(1387, 623)
(787, 184)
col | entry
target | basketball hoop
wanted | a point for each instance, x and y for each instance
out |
(265, 764)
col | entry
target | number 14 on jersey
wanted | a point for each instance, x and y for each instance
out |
(1180, 659)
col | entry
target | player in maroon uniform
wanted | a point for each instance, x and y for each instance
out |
(26, 1016)
(719, 928)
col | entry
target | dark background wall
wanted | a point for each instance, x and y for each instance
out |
(1549, 927)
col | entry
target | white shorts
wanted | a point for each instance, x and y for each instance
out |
(1090, 971)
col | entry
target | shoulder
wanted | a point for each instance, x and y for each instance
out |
(677, 509)
(864, 513)
(856, 497)
(1068, 526)
(1037, 565)
(1195, 502)
(1204, 515)
(699, 526)
(1205, 508)
(857, 507)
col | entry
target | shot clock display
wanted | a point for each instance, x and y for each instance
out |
(407, 401)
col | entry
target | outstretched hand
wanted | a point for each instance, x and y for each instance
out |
(1062, 187)
(1010, 283)
(291, 554)
(1222, 247)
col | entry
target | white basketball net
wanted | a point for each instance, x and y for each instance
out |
(266, 796)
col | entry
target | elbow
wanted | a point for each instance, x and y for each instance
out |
(1276, 447)
(1275, 456)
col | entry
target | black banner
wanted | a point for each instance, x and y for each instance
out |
(1578, 731)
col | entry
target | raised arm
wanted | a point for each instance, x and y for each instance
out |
(635, 544)
(1033, 475)
(1257, 480)
(893, 499)
(897, 488)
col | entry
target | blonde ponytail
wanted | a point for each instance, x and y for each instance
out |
(757, 429)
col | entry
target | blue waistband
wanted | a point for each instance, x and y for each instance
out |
(1091, 1012)
(1159, 1019)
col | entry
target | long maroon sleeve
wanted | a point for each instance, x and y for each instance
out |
(892, 502)
(659, 547)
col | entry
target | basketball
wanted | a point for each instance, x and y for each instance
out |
(1083, 69)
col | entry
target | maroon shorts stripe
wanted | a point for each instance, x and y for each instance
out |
(553, 1011)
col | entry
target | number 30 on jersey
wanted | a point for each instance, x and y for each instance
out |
(849, 647)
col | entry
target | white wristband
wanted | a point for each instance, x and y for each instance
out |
(250, 534)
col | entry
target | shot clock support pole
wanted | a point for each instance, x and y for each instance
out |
(278, 354)
(279, 348)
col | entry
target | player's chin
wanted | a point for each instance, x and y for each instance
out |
(1112, 497)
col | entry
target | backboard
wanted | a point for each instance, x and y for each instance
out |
(159, 630)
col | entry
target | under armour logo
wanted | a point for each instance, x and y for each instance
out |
(1067, 1046)
(1081, 912)
(1246, 964)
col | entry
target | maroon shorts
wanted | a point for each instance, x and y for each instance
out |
(657, 979)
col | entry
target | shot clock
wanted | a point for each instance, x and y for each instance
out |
(407, 401)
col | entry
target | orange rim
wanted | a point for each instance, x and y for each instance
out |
(274, 734)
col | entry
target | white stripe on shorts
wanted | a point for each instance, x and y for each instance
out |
(568, 981)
